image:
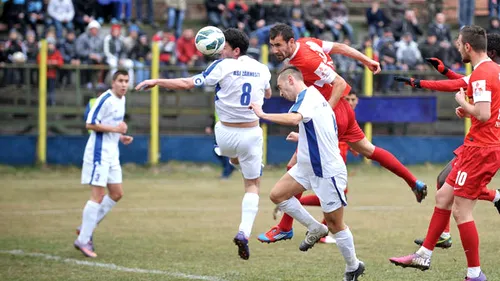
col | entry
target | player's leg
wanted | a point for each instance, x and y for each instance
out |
(284, 229)
(283, 194)
(462, 212)
(445, 238)
(96, 176)
(330, 192)
(421, 259)
(115, 192)
(249, 154)
(350, 132)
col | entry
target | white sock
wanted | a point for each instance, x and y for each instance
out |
(473, 272)
(106, 205)
(294, 209)
(89, 221)
(249, 208)
(345, 243)
(497, 197)
(424, 252)
(445, 235)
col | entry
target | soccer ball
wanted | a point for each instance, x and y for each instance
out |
(210, 40)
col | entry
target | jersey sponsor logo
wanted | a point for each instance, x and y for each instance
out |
(478, 87)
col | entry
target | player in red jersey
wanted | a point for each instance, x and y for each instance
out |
(312, 57)
(456, 82)
(477, 162)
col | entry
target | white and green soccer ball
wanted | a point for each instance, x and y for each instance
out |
(210, 40)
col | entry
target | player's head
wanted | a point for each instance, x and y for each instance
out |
(282, 41)
(290, 82)
(352, 99)
(236, 43)
(471, 40)
(119, 84)
(493, 48)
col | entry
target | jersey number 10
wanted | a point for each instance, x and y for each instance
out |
(245, 95)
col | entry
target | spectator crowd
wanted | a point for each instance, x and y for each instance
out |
(103, 32)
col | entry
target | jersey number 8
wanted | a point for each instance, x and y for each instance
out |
(245, 95)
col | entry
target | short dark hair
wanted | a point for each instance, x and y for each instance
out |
(493, 43)
(291, 70)
(475, 36)
(281, 29)
(237, 39)
(119, 72)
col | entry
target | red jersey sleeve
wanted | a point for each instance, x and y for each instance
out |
(444, 85)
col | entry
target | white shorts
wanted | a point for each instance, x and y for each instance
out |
(101, 174)
(244, 144)
(330, 191)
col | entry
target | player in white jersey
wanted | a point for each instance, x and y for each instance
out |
(101, 160)
(320, 167)
(239, 80)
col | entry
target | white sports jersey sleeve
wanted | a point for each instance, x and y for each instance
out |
(99, 110)
(304, 106)
(327, 46)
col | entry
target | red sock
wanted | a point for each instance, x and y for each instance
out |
(438, 223)
(470, 242)
(388, 161)
(324, 222)
(286, 222)
(310, 200)
(488, 195)
(346, 190)
(447, 227)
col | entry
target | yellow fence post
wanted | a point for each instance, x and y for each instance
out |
(264, 59)
(467, 124)
(154, 138)
(368, 89)
(42, 105)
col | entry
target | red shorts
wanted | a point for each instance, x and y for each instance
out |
(473, 169)
(344, 148)
(348, 128)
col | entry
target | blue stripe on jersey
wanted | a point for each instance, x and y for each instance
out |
(217, 89)
(338, 192)
(101, 102)
(211, 67)
(312, 143)
(98, 147)
(335, 124)
(295, 106)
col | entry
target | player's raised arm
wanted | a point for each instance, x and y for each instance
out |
(339, 86)
(173, 84)
(438, 85)
(348, 51)
(443, 69)
(287, 119)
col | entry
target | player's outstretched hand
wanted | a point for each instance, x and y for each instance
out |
(438, 65)
(257, 109)
(415, 83)
(374, 66)
(121, 128)
(145, 85)
(293, 136)
(126, 140)
(460, 96)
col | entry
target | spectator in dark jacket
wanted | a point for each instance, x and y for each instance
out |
(408, 24)
(257, 15)
(35, 13)
(84, 14)
(238, 18)
(315, 15)
(494, 25)
(276, 13)
(69, 54)
(89, 47)
(440, 28)
(215, 13)
(141, 55)
(31, 53)
(16, 15)
(376, 20)
(296, 18)
(12, 46)
(54, 60)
